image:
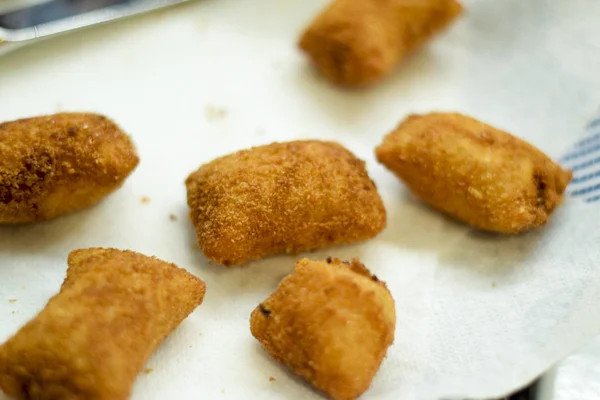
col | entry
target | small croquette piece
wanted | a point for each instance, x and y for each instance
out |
(57, 164)
(283, 197)
(357, 42)
(474, 172)
(94, 337)
(329, 322)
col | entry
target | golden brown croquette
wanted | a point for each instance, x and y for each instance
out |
(474, 172)
(357, 42)
(282, 198)
(53, 165)
(329, 322)
(94, 337)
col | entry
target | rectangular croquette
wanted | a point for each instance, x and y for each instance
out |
(61, 163)
(282, 198)
(474, 172)
(331, 323)
(357, 42)
(94, 337)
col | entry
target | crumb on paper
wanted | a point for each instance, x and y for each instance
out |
(173, 217)
(12, 301)
(223, 391)
(22, 287)
(13, 312)
(148, 371)
(272, 379)
(214, 113)
(494, 284)
(145, 200)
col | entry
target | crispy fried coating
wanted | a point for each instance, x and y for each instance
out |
(474, 172)
(53, 165)
(283, 197)
(329, 322)
(357, 42)
(94, 337)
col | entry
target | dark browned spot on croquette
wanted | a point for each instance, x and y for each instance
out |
(28, 181)
(265, 311)
(329, 260)
(25, 388)
(39, 169)
(339, 58)
(540, 186)
(375, 278)
(72, 131)
(5, 195)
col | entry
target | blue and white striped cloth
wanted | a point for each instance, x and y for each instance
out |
(584, 161)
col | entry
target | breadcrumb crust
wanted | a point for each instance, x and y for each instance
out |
(94, 337)
(474, 172)
(330, 322)
(61, 163)
(282, 198)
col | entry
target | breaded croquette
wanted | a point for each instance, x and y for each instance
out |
(474, 172)
(283, 197)
(53, 165)
(357, 42)
(94, 337)
(329, 322)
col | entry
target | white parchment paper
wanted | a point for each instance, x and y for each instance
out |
(478, 315)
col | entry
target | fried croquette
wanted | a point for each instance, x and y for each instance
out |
(57, 164)
(329, 322)
(282, 198)
(474, 172)
(94, 337)
(357, 42)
